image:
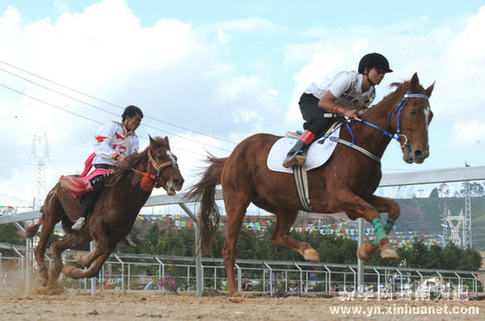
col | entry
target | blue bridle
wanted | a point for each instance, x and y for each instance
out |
(399, 108)
(395, 136)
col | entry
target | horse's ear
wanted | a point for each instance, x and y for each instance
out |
(152, 141)
(166, 141)
(415, 82)
(429, 90)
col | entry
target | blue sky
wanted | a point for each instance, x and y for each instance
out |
(210, 73)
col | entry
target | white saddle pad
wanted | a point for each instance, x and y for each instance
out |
(317, 155)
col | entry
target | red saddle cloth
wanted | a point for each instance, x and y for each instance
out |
(79, 184)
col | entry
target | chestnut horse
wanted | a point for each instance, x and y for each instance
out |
(347, 182)
(115, 212)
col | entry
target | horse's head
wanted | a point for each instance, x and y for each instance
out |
(410, 121)
(164, 165)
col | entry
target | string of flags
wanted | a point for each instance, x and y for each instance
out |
(344, 230)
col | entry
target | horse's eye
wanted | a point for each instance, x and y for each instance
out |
(413, 112)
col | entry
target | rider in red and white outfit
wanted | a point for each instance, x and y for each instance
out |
(114, 141)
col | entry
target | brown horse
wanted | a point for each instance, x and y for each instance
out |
(115, 212)
(347, 182)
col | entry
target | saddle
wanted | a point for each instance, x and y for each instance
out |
(317, 155)
(79, 185)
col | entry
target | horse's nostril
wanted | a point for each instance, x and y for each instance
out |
(418, 153)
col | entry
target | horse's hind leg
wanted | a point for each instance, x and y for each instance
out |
(103, 251)
(284, 220)
(51, 215)
(48, 225)
(70, 242)
(236, 202)
(86, 259)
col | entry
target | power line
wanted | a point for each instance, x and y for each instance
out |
(107, 111)
(74, 113)
(107, 102)
(14, 198)
(49, 104)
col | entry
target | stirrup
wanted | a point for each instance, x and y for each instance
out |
(79, 223)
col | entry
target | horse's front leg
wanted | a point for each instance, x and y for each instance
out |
(352, 203)
(393, 211)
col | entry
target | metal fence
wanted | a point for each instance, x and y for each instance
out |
(273, 278)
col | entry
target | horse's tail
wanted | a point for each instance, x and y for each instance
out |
(204, 191)
(33, 228)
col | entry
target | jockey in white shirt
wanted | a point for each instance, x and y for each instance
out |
(348, 94)
(114, 141)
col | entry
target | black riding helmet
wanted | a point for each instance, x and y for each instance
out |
(374, 60)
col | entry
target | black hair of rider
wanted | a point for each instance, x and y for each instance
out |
(131, 111)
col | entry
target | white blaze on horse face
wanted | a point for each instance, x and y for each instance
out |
(172, 157)
(427, 111)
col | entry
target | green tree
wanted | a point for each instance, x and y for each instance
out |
(472, 261)
(9, 233)
(151, 238)
(451, 257)
(434, 258)
(418, 256)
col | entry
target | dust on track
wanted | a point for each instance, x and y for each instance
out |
(144, 305)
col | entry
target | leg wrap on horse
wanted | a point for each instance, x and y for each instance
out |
(388, 226)
(378, 230)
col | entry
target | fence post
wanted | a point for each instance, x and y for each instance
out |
(301, 278)
(360, 263)
(161, 272)
(422, 284)
(239, 277)
(129, 276)
(199, 272)
(122, 271)
(378, 284)
(270, 278)
(93, 279)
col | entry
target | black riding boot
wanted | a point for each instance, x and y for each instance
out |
(296, 155)
(88, 202)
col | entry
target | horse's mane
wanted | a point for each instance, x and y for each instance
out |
(399, 87)
(124, 167)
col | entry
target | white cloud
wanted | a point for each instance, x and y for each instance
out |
(468, 134)
(170, 69)
(250, 25)
(452, 54)
(272, 92)
(231, 89)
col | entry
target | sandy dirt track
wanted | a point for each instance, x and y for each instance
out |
(122, 305)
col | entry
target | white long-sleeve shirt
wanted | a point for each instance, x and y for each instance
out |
(113, 140)
(346, 86)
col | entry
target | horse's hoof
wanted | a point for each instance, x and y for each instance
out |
(55, 288)
(67, 270)
(311, 255)
(365, 251)
(389, 254)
